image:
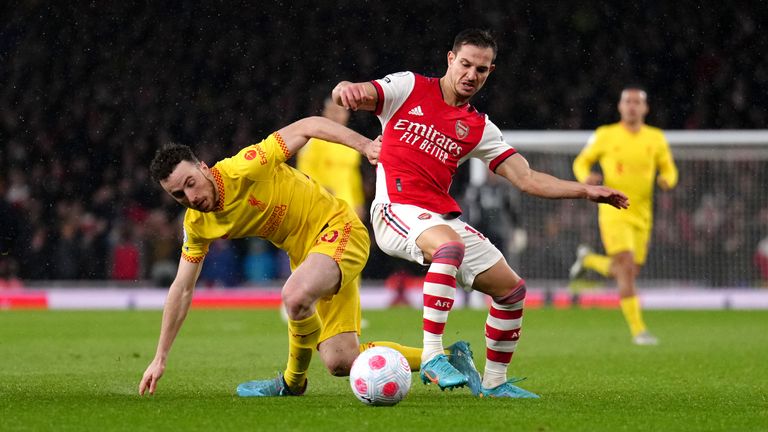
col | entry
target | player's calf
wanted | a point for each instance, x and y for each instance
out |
(502, 331)
(439, 292)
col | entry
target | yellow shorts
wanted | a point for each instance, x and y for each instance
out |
(346, 241)
(620, 236)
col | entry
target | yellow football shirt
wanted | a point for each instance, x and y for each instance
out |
(335, 167)
(261, 196)
(629, 162)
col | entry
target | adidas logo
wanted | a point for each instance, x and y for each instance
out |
(416, 111)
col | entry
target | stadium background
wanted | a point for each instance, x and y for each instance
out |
(89, 91)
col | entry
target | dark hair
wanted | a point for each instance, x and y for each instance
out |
(167, 157)
(476, 37)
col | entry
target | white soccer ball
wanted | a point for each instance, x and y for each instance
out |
(380, 376)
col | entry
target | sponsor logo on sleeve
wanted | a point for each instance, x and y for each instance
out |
(254, 151)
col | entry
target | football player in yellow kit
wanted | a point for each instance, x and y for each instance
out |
(630, 154)
(255, 193)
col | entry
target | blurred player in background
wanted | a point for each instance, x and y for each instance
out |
(255, 194)
(629, 153)
(429, 128)
(335, 167)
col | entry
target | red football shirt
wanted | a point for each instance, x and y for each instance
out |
(424, 140)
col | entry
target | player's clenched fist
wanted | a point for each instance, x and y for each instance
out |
(354, 96)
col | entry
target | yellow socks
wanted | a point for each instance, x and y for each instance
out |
(598, 263)
(303, 336)
(630, 307)
(413, 355)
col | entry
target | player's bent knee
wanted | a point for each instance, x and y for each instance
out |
(624, 258)
(449, 253)
(624, 263)
(296, 303)
(516, 295)
(339, 352)
(339, 367)
(339, 362)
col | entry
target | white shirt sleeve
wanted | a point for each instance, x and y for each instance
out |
(393, 90)
(492, 149)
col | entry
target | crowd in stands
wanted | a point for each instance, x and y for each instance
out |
(90, 91)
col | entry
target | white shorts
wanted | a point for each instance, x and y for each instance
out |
(397, 226)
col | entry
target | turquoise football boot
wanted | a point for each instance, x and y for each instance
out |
(460, 357)
(271, 387)
(508, 390)
(439, 371)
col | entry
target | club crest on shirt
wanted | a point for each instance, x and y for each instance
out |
(254, 202)
(462, 130)
(424, 216)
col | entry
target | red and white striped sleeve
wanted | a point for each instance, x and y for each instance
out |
(392, 92)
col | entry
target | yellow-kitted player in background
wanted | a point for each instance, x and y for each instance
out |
(335, 167)
(630, 154)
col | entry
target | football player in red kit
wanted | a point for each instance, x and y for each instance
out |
(428, 129)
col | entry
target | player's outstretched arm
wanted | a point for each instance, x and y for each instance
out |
(518, 172)
(355, 96)
(298, 133)
(175, 310)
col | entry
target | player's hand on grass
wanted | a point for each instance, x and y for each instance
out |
(606, 195)
(372, 150)
(353, 95)
(151, 376)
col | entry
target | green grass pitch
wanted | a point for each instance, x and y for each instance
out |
(80, 371)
